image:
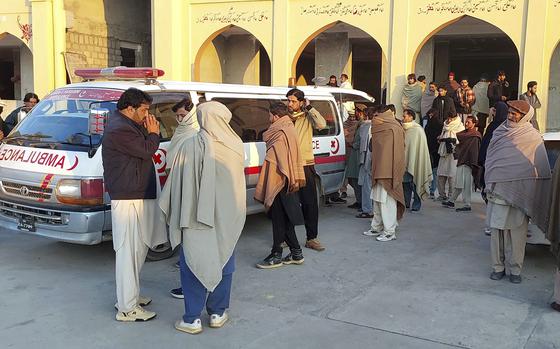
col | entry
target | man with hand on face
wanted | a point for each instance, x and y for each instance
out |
(131, 139)
(29, 101)
(305, 119)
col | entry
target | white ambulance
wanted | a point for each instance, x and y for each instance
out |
(51, 174)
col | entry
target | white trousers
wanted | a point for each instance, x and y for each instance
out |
(131, 253)
(384, 211)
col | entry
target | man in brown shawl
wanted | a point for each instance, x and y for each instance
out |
(388, 166)
(518, 188)
(281, 177)
(553, 232)
(467, 164)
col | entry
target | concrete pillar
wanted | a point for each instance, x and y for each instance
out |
(531, 59)
(59, 42)
(281, 63)
(399, 64)
(43, 46)
(241, 60)
(332, 53)
(171, 47)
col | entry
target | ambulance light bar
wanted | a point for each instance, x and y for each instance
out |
(120, 73)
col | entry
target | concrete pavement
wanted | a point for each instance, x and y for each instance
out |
(428, 289)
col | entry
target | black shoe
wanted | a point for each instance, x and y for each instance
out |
(448, 204)
(295, 257)
(343, 195)
(515, 279)
(337, 200)
(274, 260)
(497, 275)
(464, 209)
(355, 205)
(177, 293)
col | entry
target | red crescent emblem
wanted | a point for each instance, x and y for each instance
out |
(75, 163)
(160, 160)
(335, 146)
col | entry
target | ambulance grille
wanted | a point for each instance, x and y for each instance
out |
(27, 191)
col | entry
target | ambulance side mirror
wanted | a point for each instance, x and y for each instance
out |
(98, 118)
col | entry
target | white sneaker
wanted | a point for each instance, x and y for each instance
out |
(217, 321)
(136, 314)
(386, 237)
(192, 328)
(371, 232)
(142, 301)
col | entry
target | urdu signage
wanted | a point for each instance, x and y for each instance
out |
(467, 6)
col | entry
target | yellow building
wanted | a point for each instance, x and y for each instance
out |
(376, 42)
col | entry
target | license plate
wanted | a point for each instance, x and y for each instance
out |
(26, 224)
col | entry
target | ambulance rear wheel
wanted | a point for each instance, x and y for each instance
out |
(160, 252)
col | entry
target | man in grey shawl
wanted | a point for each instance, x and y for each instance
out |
(364, 176)
(412, 96)
(531, 97)
(517, 186)
(428, 99)
(204, 202)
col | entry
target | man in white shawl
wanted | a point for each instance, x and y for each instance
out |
(418, 172)
(412, 96)
(447, 167)
(204, 202)
(518, 181)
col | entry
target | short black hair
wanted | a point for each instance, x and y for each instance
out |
(411, 76)
(530, 84)
(30, 95)
(465, 78)
(473, 118)
(346, 76)
(409, 112)
(443, 87)
(371, 111)
(296, 93)
(332, 77)
(501, 73)
(433, 83)
(392, 108)
(133, 97)
(279, 109)
(183, 103)
(422, 78)
(383, 108)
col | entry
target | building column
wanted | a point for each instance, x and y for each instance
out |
(281, 63)
(171, 31)
(399, 54)
(42, 45)
(534, 66)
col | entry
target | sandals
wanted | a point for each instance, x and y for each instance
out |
(364, 215)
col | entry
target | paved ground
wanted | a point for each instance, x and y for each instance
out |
(428, 289)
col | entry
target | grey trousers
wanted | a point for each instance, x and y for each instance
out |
(442, 181)
(507, 249)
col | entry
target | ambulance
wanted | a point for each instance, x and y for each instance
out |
(51, 173)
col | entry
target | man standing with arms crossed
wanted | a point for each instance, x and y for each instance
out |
(306, 118)
(130, 140)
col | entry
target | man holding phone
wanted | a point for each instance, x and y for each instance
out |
(131, 139)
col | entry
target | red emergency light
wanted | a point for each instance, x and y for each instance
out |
(119, 73)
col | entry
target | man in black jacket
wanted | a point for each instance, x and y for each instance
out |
(444, 104)
(131, 139)
(498, 90)
(29, 101)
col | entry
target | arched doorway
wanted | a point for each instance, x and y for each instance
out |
(16, 68)
(343, 48)
(469, 47)
(234, 56)
(553, 109)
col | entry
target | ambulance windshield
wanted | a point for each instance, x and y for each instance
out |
(61, 120)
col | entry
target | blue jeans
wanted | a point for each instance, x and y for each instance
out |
(433, 185)
(196, 295)
(409, 188)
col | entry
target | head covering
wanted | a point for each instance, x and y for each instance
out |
(387, 153)
(520, 106)
(188, 127)
(204, 200)
(517, 168)
(283, 164)
(417, 157)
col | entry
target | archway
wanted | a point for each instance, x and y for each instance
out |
(235, 56)
(342, 48)
(553, 108)
(16, 68)
(469, 47)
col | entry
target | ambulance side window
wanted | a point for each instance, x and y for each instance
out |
(249, 116)
(327, 110)
(161, 109)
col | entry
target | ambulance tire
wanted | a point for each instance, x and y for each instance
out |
(161, 252)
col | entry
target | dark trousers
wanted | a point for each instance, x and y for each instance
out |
(309, 204)
(282, 227)
(357, 189)
(482, 118)
(409, 191)
(196, 295)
